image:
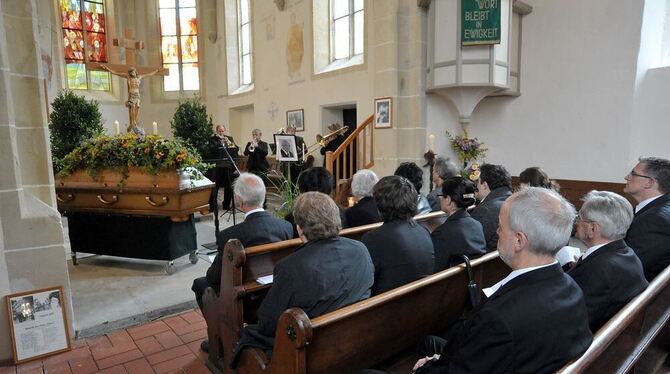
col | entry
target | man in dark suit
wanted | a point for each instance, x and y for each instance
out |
(609, 272)
(365, 211)
(534, 320)
(649, 234)
(493, 188)
(258, 227)
(256, 150)
(223, 173)
(401, 249)
(443, 169)
(326, 273)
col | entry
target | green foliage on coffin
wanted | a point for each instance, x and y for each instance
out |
(72, 121)
(192, 124)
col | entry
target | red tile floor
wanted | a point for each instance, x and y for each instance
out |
(169, 345)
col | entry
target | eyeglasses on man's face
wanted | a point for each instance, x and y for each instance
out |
(634, 174)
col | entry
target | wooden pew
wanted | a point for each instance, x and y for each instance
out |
(366, 333)
(632, 339)
(240, 293)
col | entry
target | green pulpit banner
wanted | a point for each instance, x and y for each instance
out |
(480, 22)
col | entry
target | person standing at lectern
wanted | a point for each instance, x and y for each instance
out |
(256, 151)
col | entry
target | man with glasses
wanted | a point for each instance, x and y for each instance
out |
(649, 234)
(609, 273)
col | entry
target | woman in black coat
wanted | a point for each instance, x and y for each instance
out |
(459, 234)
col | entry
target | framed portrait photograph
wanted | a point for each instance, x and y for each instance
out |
(383, 112)
(286, 147)
(296, 118)
(38, 323)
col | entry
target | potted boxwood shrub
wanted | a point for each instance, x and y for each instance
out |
(72, 121)
(192, 124)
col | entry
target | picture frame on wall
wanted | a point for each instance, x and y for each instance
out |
(296, 118)
(38, 323)
(383, 112)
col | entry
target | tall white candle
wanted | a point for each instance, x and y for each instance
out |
(155, 124)
(117, 128)
(431, 141)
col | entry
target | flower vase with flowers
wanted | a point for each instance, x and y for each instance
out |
(468, 149)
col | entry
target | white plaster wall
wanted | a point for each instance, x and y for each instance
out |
(573, 118)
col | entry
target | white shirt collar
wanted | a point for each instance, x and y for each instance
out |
(593, 249)
(644, 203)
(491, 290)
(252, 212)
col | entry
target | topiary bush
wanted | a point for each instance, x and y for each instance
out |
(73, 120)
(192, 124)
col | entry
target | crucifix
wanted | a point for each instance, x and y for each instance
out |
(131, 72)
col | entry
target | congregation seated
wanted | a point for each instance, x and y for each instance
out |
(316, 179)
(365, 211)
(649, 233)
(414, 174)
(460, 234)
(494, 186)
(534, 176)
(324, 274)
(401, 249)
(534, 320)
(258, 227)
(609, 272)
(443, 169)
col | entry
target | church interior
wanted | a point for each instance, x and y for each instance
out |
(575, 87)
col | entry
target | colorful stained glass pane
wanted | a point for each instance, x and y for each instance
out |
(76, 76)
(189, 48)
(188, 21)
(100, 81)
(167, 4)
(94, 16)
(191, 77)
(169, 49)
(73, 44)
(171, 82)
(70, 12)
(168, 18)
(186, 3)
(96, 48)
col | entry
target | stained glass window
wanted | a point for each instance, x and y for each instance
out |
(84, 40)
(347, 23)
(179, 44)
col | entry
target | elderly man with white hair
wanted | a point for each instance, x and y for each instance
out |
(609, 273)
(534, 320)
(365, 211)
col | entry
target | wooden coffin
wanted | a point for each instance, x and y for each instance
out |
(141, 194)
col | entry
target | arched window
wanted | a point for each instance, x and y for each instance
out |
(84, 40)
(179, 44)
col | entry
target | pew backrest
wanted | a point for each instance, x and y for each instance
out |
(370, 331)
(623, 341)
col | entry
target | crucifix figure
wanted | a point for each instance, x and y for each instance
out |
(132, 73)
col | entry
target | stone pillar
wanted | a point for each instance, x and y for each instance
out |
(397, 42)
(32, 251)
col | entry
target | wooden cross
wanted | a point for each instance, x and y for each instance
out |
(131, 45)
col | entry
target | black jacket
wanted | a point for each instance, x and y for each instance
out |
(401, 252)
(363, 213)
(460, 234)
(256, 162)
(487, 214)
(609, 277)
(649, 236)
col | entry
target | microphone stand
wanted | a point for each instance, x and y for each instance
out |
(234, 207)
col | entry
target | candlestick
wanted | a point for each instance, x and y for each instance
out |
(155, 124)
(117, 128)
(431, 141)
